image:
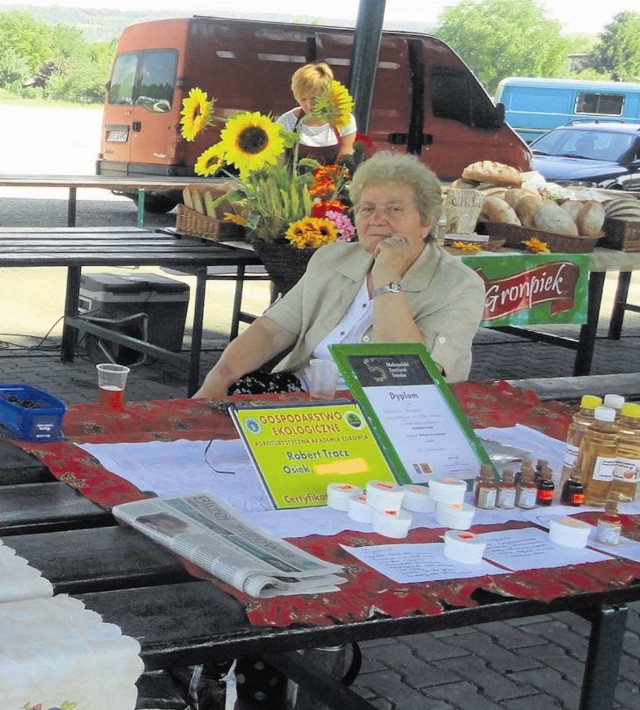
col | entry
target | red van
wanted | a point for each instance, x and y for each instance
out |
(425, 101)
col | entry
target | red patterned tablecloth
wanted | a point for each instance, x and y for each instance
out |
(366, 593)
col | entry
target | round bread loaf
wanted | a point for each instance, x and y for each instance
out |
(572, 208)
(526, 208)
(490, 171)
(590, 219)
(550, 217)
(495, 209)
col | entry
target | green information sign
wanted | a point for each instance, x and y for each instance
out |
(528, 289)
(299, 450)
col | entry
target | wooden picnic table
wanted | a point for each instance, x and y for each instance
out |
(180, 620)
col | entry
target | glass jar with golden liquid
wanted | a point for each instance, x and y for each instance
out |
(626, 473)
(597, 456)
(581, 421)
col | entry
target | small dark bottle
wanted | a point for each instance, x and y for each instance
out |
(546, 488)
(541, 465)
(572, 491)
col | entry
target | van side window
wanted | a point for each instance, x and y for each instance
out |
(604, 104)
(454, 95)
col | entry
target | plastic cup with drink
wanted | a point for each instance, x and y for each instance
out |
(323, 379)
(112, 380)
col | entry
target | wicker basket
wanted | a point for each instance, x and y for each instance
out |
(191, 222)
(284, 263)
(621, 235)
(557, 243)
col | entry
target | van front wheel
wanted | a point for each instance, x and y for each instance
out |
(159, 203)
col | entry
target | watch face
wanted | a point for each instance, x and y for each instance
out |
(395, 287)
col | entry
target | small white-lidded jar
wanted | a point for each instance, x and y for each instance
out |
(360, 510)
(569, 531)
(383, 495)
(455, 515)
(391, 523)
(447, 490)
(463, 546)
(416, 498)
(339, 494)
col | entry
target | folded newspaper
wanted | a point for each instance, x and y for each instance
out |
(211, 535)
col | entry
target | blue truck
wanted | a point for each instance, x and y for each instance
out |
(534, 106)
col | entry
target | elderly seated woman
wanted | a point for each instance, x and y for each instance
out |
(394, 285)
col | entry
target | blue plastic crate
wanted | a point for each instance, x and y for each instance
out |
(41, 421)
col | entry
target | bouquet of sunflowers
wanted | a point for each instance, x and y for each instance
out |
(278, 197)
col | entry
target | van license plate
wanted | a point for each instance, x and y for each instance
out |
(117, 136)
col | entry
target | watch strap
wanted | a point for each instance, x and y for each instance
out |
(391, 287)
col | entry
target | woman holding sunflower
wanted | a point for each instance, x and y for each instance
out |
(315, 90)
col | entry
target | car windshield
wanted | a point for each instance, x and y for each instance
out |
(579, 143)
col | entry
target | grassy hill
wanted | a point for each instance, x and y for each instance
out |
(103, 25)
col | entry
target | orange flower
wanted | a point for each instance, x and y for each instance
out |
(320, 209)
(327, 180)
(537, 246)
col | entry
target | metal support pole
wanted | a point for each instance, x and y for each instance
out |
(603, 658)
(140, 220)
(619, 303)
(364, 59)
(68, 343)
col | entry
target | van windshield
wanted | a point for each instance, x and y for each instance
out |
(145, 79)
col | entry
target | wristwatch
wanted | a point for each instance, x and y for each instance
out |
(391, 287)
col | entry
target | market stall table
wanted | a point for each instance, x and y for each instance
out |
(77, 247)
(182, 620)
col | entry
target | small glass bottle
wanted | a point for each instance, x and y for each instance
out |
(506, 490)
(524, 466)
(572, 491)
(541, 464)
(597, 456)
(546, 488)
(581, 421)
(527, 491)
(626, 473)
(486, 489)
(609, 525)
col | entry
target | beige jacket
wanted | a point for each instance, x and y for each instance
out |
(445, 297)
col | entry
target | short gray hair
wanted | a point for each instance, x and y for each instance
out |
(404, 169)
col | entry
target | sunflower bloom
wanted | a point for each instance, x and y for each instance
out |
(210, 161)
(251, 141)
(197, 114)
(537, 246)
(312, 232)
(334, 106)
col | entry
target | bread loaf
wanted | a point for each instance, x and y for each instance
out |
(461, 184)
(495, 209)
(590, 219)
(526, 208)
(550, 217)
(572, 207)
(490, 171)
(513, 194)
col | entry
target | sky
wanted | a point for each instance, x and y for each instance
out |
(575, 15)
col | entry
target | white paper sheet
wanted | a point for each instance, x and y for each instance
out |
(418, 562)
(531, 548)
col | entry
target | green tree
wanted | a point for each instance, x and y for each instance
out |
(617, 54)
(500, 38)
(25, 36)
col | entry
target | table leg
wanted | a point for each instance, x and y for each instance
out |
(603, 658)
(68, 343)
(140, 219)
(196, 331)
(587, 339)
(71, 207)
(619, 302)
(237, 302)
